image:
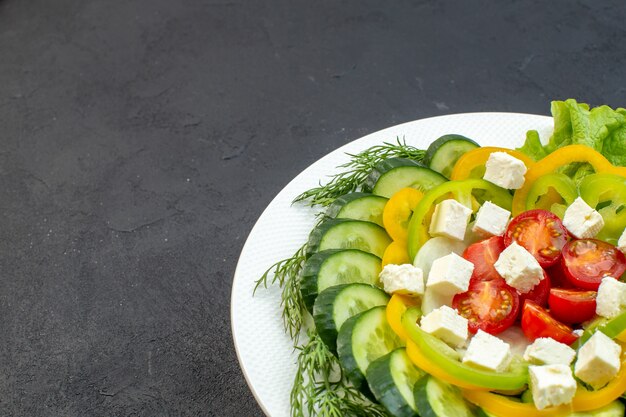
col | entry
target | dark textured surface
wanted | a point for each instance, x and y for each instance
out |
(141, 139)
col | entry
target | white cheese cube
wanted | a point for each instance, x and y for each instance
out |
(505, 170)
(611, 298)
(491, 219)
(519, 268)
(582, 220)
(547, 351)
(447, 325)
(598, 360)
(621, 242)
(449, 219)
(488, 352)
(450, 275)
(551, 385)
(402, 279)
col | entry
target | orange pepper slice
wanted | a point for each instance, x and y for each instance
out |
(472, 163)
(398, 211)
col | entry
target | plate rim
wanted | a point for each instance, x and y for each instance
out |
(237, 275)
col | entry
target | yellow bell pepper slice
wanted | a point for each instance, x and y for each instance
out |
(396, 307)
(561, 157)
(396, 253)
(398, 211)
(501, 406)
(472, 163)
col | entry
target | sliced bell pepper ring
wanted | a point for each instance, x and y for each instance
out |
(607, 194)
(614, 328)
(553, 192)
(398, 211)
(501, 406)
(561, 157)
(396, 307)
(396, 253)
(472, 163)
(440, 360)
(471, 193)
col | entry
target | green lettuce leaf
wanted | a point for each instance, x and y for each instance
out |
(600, 128)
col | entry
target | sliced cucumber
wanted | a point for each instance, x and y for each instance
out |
(337, 304)
(337, 266)
(391, 379)
(435, 398)
(443, 153)
(393, 174)
(358, 206)
(348, 234)
(362, 339)
(436, 248)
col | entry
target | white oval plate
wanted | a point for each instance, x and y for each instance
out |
(265, 352)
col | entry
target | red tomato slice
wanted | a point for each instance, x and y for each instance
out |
(537, 322)
(539, 231)
(557, 277)
(483, 255)
(572, 306)
(488, 305)
(539, 294)
(586, 261)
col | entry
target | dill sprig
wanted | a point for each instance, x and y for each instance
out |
(357, 170)
(320, 388)
(286, 273)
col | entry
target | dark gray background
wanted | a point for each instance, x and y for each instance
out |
(141, 139)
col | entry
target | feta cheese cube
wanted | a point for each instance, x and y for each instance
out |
(551, 385)
(611, 298)
(446, 324)
(449, 219)
(621, 242)
(547, 351)
(505, 170)
(488, 352)
(582, 220)
(598, 360)
(519, 268)
(450, 275)
(491, 219)
(402, 279)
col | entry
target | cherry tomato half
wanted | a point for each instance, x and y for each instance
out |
(572, 306)
(537, 322)
(539, 231)
(491, 305)
(483, 255)
(586, 261)
(539, 294)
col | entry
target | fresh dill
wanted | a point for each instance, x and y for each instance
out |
(357, 170)
(320, 388)
(286, 273)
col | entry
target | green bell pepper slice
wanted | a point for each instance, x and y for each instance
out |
(448, 360)
(553, 192)
(607, 194)
(467, 192)
(610, 327)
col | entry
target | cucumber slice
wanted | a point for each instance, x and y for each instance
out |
(337, 304)
(443, 153)
(362, 339)
(348, 234)
(435, 398)
(358, 206)
(391, 379)
(334, 267)
(393, 174)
